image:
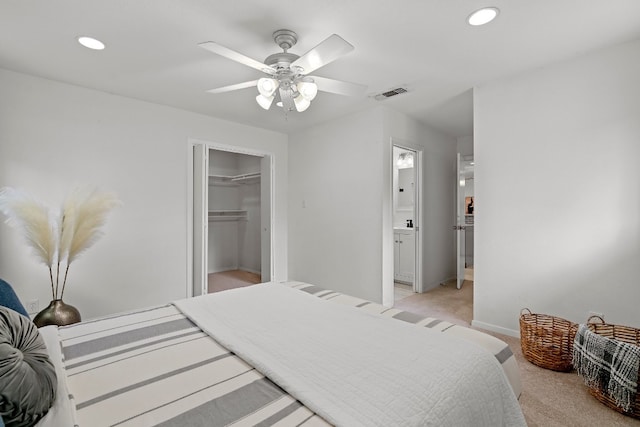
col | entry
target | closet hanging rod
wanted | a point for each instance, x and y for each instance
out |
(228, 218)
(245, 176)
(235, 179)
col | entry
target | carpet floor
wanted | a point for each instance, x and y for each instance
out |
(549, 398)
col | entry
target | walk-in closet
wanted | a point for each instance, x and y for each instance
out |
(234, 217)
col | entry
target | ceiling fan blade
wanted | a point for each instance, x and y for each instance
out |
(236, 56)
(234, 87)
(326, 52)
(339, 87)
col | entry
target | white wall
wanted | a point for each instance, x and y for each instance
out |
(55, 136)
(222, 242)
(249, 256)
(249, 249)
(558, 191)
(465, 145)
(335, 205)
(341, 208)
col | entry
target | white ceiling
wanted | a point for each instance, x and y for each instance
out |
(425, 45)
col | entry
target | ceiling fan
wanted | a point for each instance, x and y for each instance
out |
(288, 78)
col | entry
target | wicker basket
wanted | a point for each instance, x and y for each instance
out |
(547, 341)
(621, 333)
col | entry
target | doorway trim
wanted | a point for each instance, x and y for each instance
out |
(211, 145)
(387, 281)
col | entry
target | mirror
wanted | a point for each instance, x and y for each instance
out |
(406, 191)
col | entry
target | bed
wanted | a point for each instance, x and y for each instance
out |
(285, 354)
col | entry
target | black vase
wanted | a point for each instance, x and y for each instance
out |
(57, 313)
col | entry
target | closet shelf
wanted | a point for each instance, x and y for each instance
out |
(228, 215)
(246, 178)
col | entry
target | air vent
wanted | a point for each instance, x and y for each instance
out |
(390, 93)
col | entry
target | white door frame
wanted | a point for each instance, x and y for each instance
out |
(418, 209)
(199, 214)
(460, 223)
(418, 286)
(210, 145)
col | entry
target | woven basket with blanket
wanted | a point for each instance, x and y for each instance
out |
(607, 357)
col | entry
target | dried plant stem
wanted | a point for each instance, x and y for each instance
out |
(64, 282)
(57, 280)
(51, 277)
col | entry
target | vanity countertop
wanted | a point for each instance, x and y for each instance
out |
(403, 229)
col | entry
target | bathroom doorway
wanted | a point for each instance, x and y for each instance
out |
(406, 176)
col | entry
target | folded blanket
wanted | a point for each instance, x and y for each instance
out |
(607, 364)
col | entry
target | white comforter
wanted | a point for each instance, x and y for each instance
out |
(355, 368)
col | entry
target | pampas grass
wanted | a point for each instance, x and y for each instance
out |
(82, 216)
(57, 241)
(33, 219)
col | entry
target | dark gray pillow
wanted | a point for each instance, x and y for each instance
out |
(27, 377)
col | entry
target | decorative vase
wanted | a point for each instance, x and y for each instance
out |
(57, 313)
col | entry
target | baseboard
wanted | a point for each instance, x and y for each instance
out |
(222, 269)
(494, 328)
(448, 279)
(437, 284)
(250, 270)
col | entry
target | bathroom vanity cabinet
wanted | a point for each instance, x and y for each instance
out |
(404, 255)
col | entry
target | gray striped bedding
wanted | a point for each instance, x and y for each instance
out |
(155, 367)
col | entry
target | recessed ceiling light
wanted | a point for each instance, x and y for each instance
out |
(90, 43)
(483, 16)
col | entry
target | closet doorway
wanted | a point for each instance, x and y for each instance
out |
(232, 202)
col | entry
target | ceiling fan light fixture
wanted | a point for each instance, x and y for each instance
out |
(307, 89)
(264, 101)
(483, 16)
(405, 160)
(267, 86)
(301, 103)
